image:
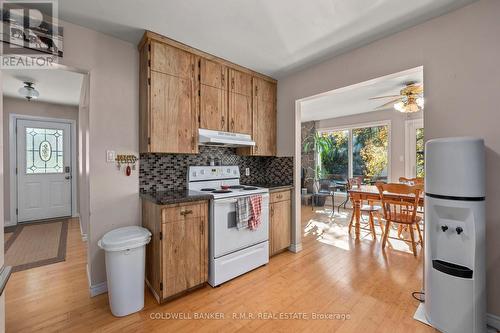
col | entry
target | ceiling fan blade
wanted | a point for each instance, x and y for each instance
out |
(391, 103)
(388, 96)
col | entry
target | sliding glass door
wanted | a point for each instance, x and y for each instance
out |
(357, 151)
(334, 156)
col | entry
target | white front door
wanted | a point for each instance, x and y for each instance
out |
(43, 170)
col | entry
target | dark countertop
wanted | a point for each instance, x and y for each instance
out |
(173, 197)
(274, 187)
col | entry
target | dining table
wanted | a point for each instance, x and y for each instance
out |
(370, 193)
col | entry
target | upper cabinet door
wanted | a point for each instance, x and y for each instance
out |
(240, 83)
(213, 95)
(171, 60)
(213, 108)
(213, 74)
(240, 102)
(240, 113)
(173, 117)
(264, 109)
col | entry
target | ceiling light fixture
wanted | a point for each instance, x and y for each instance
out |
(410, 104)
(28, 91)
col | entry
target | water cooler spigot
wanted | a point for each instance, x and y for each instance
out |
(459, 230)
(444, 228)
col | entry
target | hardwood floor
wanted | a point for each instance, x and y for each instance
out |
(334, 274)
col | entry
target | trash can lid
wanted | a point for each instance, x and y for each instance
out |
(125, 238)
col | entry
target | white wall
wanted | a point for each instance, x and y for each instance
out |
(2, 298)
(397, 119)
(114, 119)
(33, 108)
(460, 54)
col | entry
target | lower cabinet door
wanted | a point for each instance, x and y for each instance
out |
(184, 248)
(281, 219)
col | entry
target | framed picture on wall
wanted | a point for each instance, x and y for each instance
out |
(30, 28)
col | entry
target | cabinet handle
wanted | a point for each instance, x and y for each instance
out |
(223, 122)
(272, 211)
(186, 212)
(232, 83)
(222, 80)
(232, 124)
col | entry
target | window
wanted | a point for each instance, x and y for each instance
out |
(419, 154)
(414, 148)
(44, 150)
(360, 151)
(370, 153)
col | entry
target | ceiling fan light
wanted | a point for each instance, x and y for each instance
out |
(413, 107)
(400, 107)
(420, 102)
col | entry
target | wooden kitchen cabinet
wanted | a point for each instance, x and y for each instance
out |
(182, 89)
(280, 222)
(177, 256)
(172, 128)
(264, 117)
(213, 98)
(168, 119)
(240, 102)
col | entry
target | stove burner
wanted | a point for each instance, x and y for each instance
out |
(222, 191)
(249, 188)
(236, 187)
(207, 189)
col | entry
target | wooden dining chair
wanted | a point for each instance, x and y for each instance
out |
(411, 181)
(402, 211)
(370, 208)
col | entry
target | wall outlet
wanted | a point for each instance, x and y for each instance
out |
(110, 156)
(247, 171)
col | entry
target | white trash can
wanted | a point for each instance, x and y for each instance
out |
(125, 261)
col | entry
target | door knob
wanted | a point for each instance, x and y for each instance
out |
(67, 177)
(444, 228)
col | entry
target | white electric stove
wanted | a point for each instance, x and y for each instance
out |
(232, 251)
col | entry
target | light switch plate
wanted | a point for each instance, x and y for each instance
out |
(110, 156)
(247, 171)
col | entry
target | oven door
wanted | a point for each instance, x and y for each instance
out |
(226, 238)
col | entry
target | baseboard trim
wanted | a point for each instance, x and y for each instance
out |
(295, 248)
(84, 237)
(8, 224)
(96, 289)
(493, 321)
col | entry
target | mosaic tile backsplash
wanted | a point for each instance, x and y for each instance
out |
(167, 172)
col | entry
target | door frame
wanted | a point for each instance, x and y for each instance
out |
(13, 118)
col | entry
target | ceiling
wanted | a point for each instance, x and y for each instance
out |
(54, 85)
(356, 99)
(275, 37)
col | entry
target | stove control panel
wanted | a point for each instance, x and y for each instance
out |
(200, 173)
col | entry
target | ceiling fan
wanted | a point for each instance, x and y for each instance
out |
(410, 99)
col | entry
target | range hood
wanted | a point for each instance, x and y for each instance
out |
(224, 139)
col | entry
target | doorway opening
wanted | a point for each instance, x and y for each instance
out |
(367, 133)
(45, 121)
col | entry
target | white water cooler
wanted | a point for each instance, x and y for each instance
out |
(455, 272)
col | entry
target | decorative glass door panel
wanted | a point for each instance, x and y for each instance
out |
(44, 150)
